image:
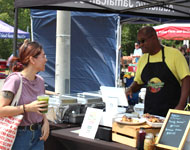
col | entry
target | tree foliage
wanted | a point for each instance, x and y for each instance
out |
(172, 43)
(129, 37)
(7, 15)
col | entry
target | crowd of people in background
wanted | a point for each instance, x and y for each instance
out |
(137, 53)
(133, 59)
(185, 51)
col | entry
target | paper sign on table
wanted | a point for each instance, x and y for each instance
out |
(112, 105)
(91, 122)
(113, 92)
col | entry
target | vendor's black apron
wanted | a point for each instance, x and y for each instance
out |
(159, 100)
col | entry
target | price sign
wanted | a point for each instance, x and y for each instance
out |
(174, 130)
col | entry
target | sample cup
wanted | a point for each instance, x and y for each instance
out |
(43, 98)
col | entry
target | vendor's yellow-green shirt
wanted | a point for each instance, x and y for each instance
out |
(174, 59)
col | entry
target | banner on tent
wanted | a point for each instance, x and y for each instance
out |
(165, 7)
(11, 35)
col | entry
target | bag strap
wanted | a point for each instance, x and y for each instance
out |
(17, 96)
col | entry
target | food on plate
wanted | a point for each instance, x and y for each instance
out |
(152, 118)
(126, 119)
(156, 120)
(147, 115)
(129, 119)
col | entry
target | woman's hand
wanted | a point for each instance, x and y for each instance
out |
(45, 129)
(36, 106)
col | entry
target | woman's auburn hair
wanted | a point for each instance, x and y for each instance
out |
(26, 50)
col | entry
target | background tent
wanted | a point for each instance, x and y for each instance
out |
(7, 32)
(93, 48)
(173, 31)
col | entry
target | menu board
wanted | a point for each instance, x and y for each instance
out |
(174, 130)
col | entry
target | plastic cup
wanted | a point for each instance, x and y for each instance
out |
(43, 98)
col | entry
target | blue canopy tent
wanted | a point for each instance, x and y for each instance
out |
(7, 32)
(93, 48)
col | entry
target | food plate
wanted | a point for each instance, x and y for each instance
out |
(136, 121)
(148, 117)
(155, 125)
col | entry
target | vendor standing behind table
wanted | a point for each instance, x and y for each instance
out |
(164, 72)
(137, 52)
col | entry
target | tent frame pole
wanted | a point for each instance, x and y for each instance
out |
(15, 32)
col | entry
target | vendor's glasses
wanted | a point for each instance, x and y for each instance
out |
(143, 40)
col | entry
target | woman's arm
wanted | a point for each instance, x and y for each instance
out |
(5, 109)
(6, 98)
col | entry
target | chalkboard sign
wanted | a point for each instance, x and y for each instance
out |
(174, 130)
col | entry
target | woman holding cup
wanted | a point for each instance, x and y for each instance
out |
(34, 128)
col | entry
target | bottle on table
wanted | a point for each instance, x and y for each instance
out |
(149, 142)
(155, 138)
(140, 139)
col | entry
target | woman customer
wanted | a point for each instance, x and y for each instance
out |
(34, 128)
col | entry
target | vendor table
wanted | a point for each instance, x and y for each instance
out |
(72, 141)
(52, 142)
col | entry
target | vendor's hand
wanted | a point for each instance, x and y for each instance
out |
(36, 106)
(128, 92)
(45, 130)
